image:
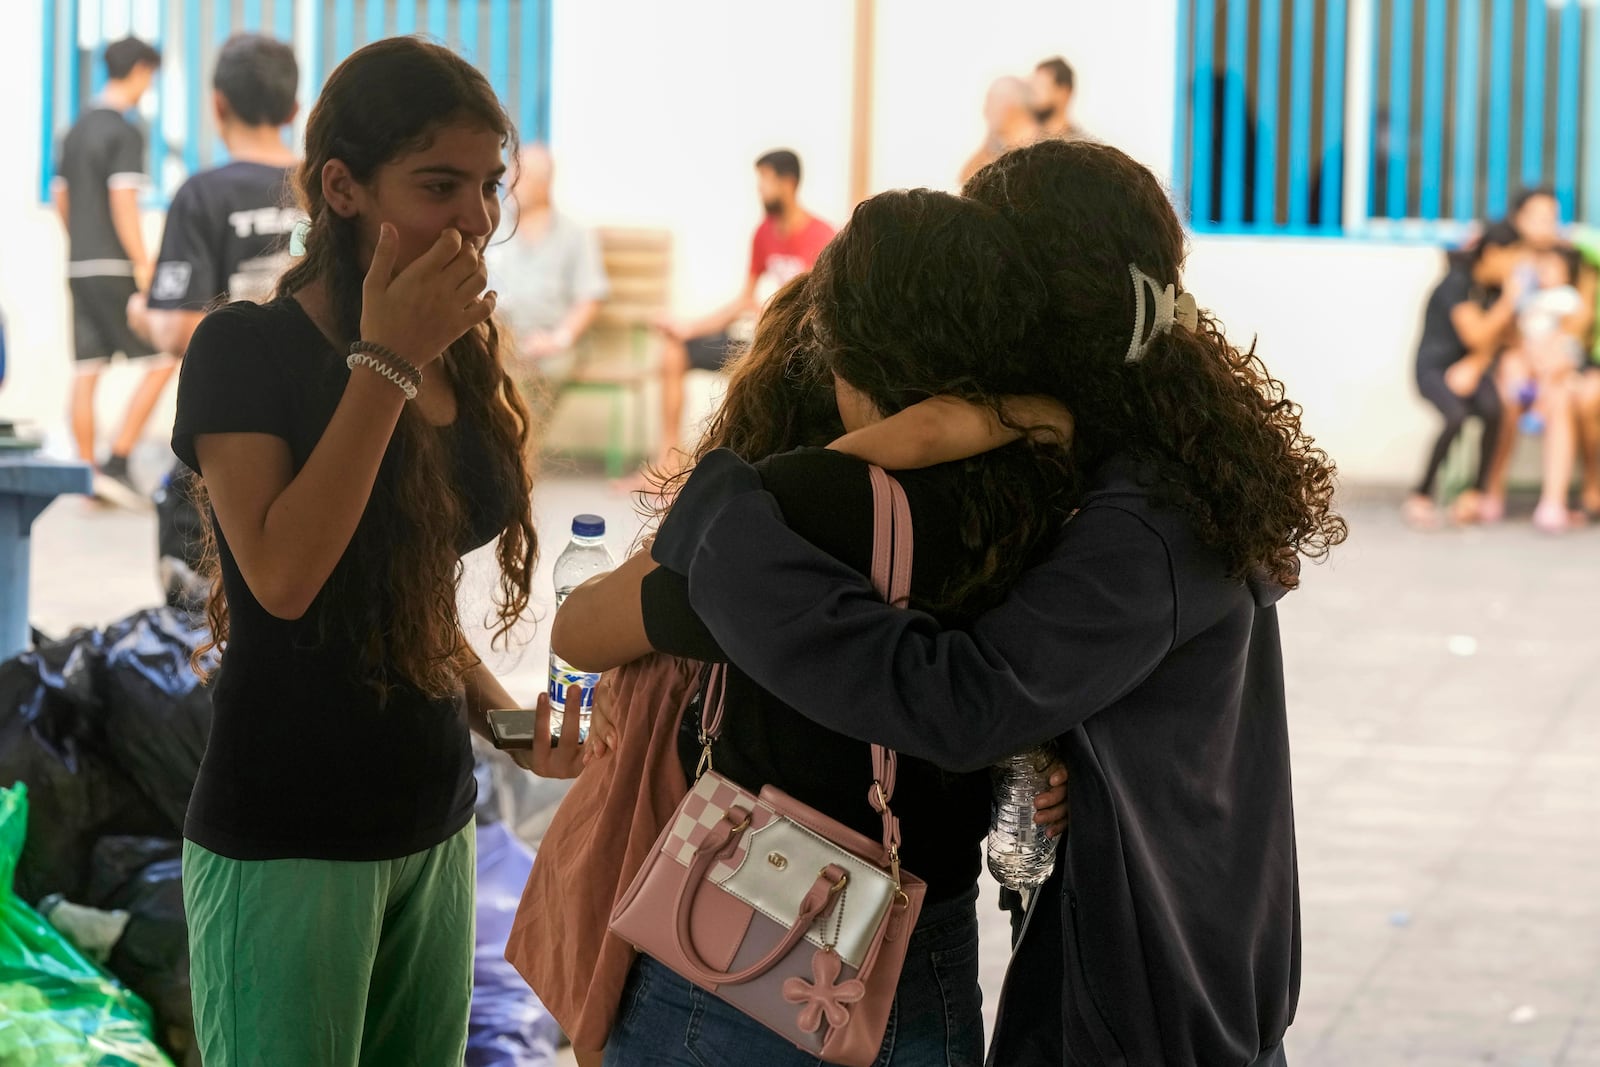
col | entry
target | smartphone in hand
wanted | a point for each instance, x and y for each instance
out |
(512, 727)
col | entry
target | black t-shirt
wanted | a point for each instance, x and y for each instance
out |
(827, 498)
(303, 762)
(102, 151)
(1441, 345)
(227, 237)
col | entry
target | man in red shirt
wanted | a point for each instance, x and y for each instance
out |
(786, 243)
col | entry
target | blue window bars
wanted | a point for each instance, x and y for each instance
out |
(1383, 117)
(508, 39)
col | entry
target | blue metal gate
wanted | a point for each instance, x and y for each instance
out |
(508, 39)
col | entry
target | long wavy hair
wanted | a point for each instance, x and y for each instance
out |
(923, 294)
(393, 596)
(1225, 443)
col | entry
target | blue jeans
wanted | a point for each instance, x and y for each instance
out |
(936, 1021)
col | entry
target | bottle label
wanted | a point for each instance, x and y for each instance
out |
(562, 678)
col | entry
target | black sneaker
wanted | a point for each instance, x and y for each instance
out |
(114, 485)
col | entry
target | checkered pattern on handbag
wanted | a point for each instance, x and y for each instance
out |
(711, 796)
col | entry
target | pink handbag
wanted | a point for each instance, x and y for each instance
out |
(796, 920)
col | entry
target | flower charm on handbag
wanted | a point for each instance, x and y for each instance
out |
(826, 996)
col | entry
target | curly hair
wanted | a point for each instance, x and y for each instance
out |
(393, 595)
(1225, 442)
(923, 294)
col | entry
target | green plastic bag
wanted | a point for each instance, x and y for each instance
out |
(57, 1009)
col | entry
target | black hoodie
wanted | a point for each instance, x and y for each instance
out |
(1170, 931)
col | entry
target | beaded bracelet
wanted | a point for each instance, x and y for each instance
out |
(407, 369)
(392, 374)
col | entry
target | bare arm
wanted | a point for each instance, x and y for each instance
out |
(1480, 328)
(130, 231)
(60, 199)
(724, 316)
(288, 531)
(485, 694)
(601, 623)
(578, 321)
(943, 429)
(170, 331)
(1581, 322)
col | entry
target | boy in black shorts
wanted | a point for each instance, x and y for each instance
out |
(100, 174)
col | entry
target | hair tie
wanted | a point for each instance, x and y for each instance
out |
(1158, 312)
(297, 238)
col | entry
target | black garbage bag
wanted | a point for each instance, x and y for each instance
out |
(117, 862)
(180, 541)
(152, 956)
(143, 876)
(155, 714)
(50, 740)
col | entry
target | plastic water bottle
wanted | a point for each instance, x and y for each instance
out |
(585, 556)
(1021, 856)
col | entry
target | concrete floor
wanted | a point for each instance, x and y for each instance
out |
(1445, 712)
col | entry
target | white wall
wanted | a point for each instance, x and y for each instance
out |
(936, 58)
(660, 110)
(32, 264)
(1337, 321)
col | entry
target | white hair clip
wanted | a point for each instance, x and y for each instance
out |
(1156, 313)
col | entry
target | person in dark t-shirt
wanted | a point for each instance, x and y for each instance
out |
(1469, 318)
(227, 230)
(100, 174)
(356, 436)
(933, 272)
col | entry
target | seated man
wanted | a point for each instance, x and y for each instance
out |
(786, 244)
(548, 270)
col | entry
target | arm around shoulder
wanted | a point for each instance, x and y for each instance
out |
(1076, 634)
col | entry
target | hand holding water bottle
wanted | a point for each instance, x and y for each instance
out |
(1021, 854)
(1051, 810)
(585, 556)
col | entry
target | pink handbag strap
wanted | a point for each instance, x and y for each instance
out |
(891, 576)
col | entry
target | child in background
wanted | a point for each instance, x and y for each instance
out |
(1545, 314)
(1544, 366)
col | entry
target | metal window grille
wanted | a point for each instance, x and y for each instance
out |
(1383, 116)
(509, 40)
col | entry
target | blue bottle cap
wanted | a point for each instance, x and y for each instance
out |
(588, 526)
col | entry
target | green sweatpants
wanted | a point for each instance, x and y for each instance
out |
(315, 963)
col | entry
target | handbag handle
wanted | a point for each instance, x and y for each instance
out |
(817, 903)
(891, 576)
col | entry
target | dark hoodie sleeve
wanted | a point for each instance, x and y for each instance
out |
(1076, 633)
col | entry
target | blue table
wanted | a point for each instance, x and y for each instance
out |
(27, 486)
